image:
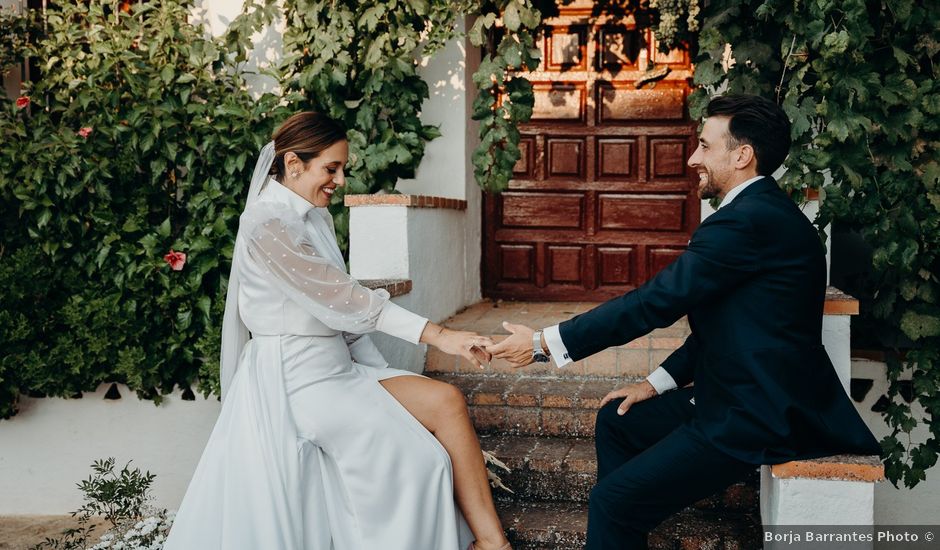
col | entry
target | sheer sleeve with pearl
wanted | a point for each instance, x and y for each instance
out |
(278, 243)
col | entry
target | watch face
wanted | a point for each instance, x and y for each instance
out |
(540, 358)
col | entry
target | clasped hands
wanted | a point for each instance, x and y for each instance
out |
(516, 349)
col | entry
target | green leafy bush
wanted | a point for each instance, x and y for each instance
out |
(122, 498)
(359, 62)
(860, 79)
(138, 139)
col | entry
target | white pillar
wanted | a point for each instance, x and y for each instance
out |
(824, 492)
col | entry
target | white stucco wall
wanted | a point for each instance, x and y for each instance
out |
(836, 337)
(217, 15)
(440, 171)
(796, 501)
(446, 169)
(421, 244)
(443, 247)
(378, 242)
(50, 445)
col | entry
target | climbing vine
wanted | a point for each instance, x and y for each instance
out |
(505, 99)
(359, 62)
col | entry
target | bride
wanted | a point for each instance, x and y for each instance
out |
(320, 444)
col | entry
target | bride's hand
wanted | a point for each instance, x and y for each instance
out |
(468, 345)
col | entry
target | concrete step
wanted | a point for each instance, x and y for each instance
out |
(563, 526)
(533, 405)
(562, 469)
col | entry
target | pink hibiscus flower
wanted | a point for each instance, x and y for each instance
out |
(176, 260)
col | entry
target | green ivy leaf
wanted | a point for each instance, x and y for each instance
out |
(163, 230)
(512, 19)
(916, 325)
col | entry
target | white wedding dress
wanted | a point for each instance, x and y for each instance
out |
(310, 451)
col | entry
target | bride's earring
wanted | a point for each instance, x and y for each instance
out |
(294, 174)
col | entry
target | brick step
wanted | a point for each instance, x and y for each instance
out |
(631, 360)
(563, 526)
(635, 359)
(562, 469)
(533, 405)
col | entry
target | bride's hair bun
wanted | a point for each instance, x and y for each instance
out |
(306, 134)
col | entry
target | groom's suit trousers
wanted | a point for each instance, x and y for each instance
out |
(651, 463)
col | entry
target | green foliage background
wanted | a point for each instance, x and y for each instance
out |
(85, 296)
(860, 79)
(85, 221)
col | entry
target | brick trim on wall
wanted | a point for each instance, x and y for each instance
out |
(415, 201)
(839, 467)
(839, 303)
(395, 287)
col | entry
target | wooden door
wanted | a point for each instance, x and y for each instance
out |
(602, 198)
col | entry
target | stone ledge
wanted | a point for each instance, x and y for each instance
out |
(866, 468)
(839, 303)
(414, 201)
(395, 287)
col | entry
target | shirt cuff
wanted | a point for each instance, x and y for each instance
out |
(556, 347)
(661, 380)
(401, 323)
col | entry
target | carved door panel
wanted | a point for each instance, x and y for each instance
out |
(601, 199)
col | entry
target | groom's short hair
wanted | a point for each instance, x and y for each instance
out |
(758, 122)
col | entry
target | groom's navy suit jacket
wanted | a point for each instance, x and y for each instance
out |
(753, 284)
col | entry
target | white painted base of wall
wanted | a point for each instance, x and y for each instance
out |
(49, 446)
(796, 501)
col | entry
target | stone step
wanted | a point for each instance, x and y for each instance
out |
(563, 526)
(533, 405)
(562, 469)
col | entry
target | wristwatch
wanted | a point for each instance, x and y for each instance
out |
(538, 354)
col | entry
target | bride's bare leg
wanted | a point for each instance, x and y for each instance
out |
(442, 409)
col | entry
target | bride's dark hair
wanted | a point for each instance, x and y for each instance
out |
(306, 134)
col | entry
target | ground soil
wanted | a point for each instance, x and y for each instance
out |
(22, 532)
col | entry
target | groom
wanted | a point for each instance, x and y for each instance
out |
(752, 283)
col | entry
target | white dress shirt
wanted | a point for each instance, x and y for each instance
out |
(660, 378)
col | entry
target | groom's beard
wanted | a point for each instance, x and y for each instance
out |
(707, 189)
